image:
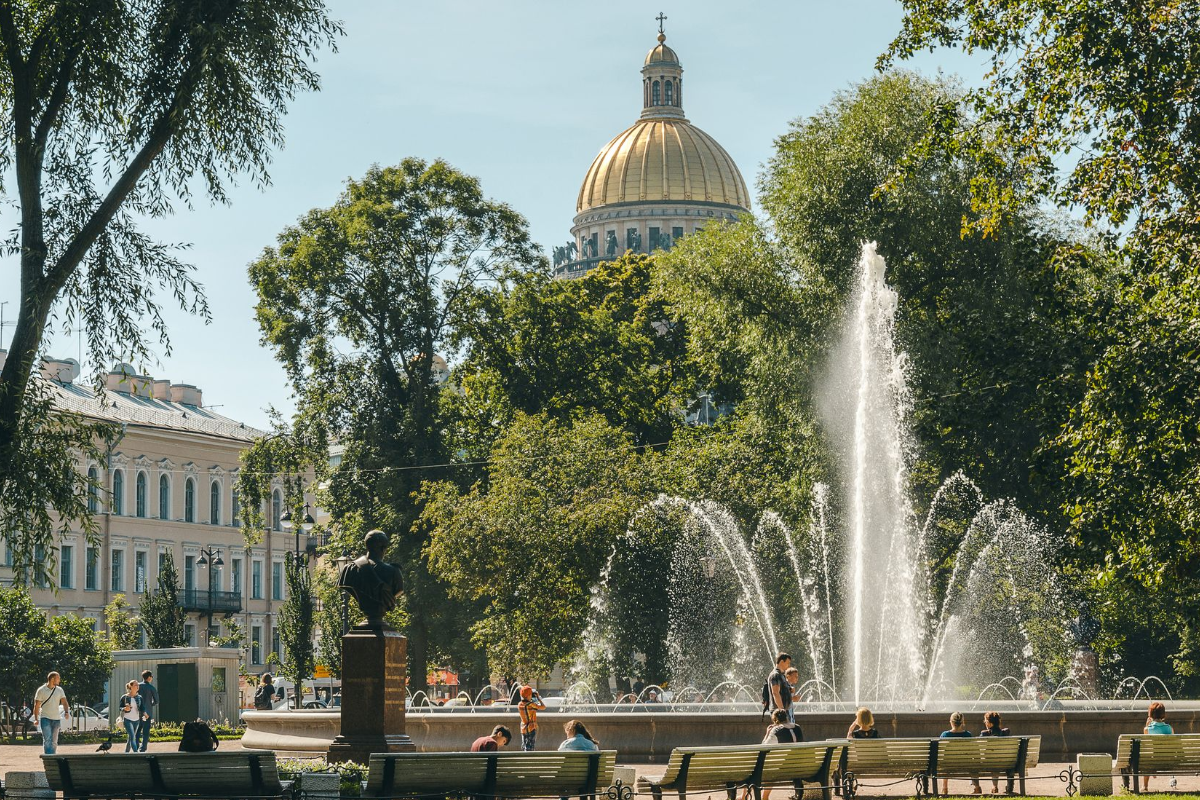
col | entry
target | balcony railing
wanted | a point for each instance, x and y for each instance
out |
(222, 602)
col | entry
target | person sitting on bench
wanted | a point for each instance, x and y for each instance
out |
(1156, 725)
(863, 726)
(993, 727)
(958, 730)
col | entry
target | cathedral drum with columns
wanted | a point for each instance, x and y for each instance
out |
(659, 179)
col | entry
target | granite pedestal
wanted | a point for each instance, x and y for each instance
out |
(374, 666)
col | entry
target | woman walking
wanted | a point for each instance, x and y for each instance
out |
(133, 712)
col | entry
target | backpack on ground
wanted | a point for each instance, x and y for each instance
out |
(197, 738)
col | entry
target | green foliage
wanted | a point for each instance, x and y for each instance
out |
(32, 645)
(329, 618)
(296, 623)
(600, 343)
(110, 110)
(233, 638)
(51, 497)
(161, 614)
(531, 545)
(1105, 82)
(1091, 102)
(123, 627)
(356, 301)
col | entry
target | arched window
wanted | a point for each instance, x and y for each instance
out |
(164, 497)
(139, 491)
(276, 510)
(214, 503)
(670, 93)
(235, 509)
(189, 500)
(118, 493)
(654, 94)
(93, 489)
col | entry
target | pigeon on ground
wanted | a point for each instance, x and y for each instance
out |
(105, 746)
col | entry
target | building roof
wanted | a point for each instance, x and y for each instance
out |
(660, 53)
(662, 160)
(150, 412)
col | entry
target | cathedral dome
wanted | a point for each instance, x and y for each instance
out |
(657, 181)
(658, 160)
(661, 54)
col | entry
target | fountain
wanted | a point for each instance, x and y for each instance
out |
(919, 613)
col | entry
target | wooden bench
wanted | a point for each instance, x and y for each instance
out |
(976, 757)
(242, 775)
(551, 773)
(707, 769)
(1156, 754)
(926, 760)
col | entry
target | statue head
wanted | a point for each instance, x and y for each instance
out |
(376, 542)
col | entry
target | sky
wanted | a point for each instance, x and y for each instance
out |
(521, 94)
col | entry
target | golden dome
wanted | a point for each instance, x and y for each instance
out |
(660, 53)
(663, 159)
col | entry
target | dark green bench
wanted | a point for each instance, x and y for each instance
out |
(550, 773)
(243, 775)
(708, 769)
(1156, 754)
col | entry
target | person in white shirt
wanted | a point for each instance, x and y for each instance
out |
(133, 714)
(50, 707)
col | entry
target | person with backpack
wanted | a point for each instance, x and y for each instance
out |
(264, 695)
(777, 691)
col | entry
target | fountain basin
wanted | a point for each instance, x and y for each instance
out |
(648, 737)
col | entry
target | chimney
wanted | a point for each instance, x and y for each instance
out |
(161, 389)
(123, 378)
(185, 394)
(62, 370)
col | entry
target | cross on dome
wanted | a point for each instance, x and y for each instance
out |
(661, 16)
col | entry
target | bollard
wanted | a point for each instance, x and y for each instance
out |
(320, 786)
(627, 777)
(1095, 773)
(27, 786)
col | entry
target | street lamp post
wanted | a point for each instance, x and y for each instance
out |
(306, 524)
(215, 557)
(302, 529)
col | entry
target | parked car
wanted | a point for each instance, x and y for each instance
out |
(85, 718)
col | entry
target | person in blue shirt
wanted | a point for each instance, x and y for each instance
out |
(1156, 725)
(578, 738)
(958, 730)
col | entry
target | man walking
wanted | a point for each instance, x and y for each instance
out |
(50, 707)
(777, 693)
(531, 703)
(149, 695)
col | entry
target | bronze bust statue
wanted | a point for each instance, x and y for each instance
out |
(371, 581)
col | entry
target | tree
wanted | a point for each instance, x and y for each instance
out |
(123, 628)
(356, 300)
(1088, 100)
(531, 542)
(1093, 102)
(296, 624)
(162, 615)
(233, 638)
(110, 110)
(603, 342)
(32, 645)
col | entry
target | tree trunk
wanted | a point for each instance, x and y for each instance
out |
(19, 365)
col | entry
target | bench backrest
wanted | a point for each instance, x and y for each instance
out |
(249, 773)
(1157, 752)
(886, 756)
(521, 774)
(700, 768)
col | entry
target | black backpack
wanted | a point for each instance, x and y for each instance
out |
(766, 694)
(262, 697)
(197, 738)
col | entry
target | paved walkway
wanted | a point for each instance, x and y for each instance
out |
(1042, 781)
